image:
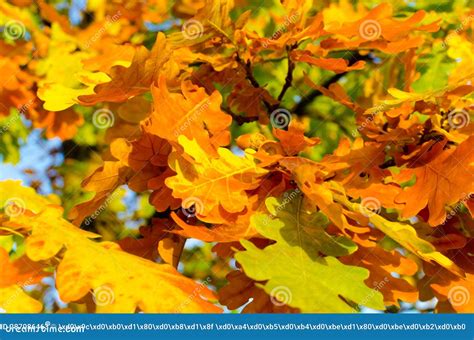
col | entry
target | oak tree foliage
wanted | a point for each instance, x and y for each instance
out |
(277, 156)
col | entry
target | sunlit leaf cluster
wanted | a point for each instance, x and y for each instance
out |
(208, 156)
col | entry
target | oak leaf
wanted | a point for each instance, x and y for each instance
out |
(14, 300)
(240, 289)
(441, 182)
(120, 282)
(210, 183)
(311, 283)
(193, 114)
(21, 272)
(407, 237)
(128, 82)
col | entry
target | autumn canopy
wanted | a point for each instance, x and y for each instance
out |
(206, 156)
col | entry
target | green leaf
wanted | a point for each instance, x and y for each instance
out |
(435, 70)
(12, 135)
(407, 237)
(299, 227)
(6, 242)
(308, 281)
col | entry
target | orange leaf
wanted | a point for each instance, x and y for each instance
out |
(193, 114)
(441, 182)
(127, 82)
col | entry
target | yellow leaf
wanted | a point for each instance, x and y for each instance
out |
(407, 237)
(128, 82)
(19, 198)
(66, 80)
(104, 181)
(208, 183)
(210, 20)
(14, 300)
(121, 282)
(404, 95)
(193, 114)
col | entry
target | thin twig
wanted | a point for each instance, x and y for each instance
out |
(332, 120)
(289, 73)
(299, 108)
(239, 119)
(247, 66)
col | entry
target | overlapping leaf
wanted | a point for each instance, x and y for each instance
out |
(309, 282)
(120, 282)
(210, 183)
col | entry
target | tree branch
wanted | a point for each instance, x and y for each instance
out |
(239, 119)
(249, 75)
(335, 121)
(289, 74)
(299, 108)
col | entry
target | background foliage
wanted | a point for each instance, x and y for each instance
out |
(236, 155)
